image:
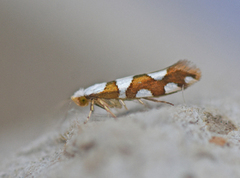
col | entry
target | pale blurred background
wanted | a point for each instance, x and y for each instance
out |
(48, 49)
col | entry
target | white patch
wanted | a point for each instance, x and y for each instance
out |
(189, 80)
(94, 89)
(158, 75)
(143, 93)
(123, 84)
(79, 93)
(171, 87)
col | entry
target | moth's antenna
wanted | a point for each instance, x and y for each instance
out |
(66, 114)
(183, 95)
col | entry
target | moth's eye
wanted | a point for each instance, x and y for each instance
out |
(83, 101)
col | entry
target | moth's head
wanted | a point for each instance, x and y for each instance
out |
(79, 98)
(80, 101)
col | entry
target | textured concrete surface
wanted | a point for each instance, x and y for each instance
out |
(180, 141)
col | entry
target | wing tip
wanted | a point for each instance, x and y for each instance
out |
(187, 66)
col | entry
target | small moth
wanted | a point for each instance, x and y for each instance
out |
(145, 86)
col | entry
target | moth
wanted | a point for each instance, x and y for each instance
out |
(144, 86)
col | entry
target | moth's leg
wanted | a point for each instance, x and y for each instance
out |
(140, 101)
(112, 103)
(105, 105)
(99, 105)
(122, 102)
(146, 105)
(183, 94)
(151, 99)
(90, 112)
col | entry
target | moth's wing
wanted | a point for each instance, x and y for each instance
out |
(108, 90)
(163, 82)
(173, 78)
(178, 72)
